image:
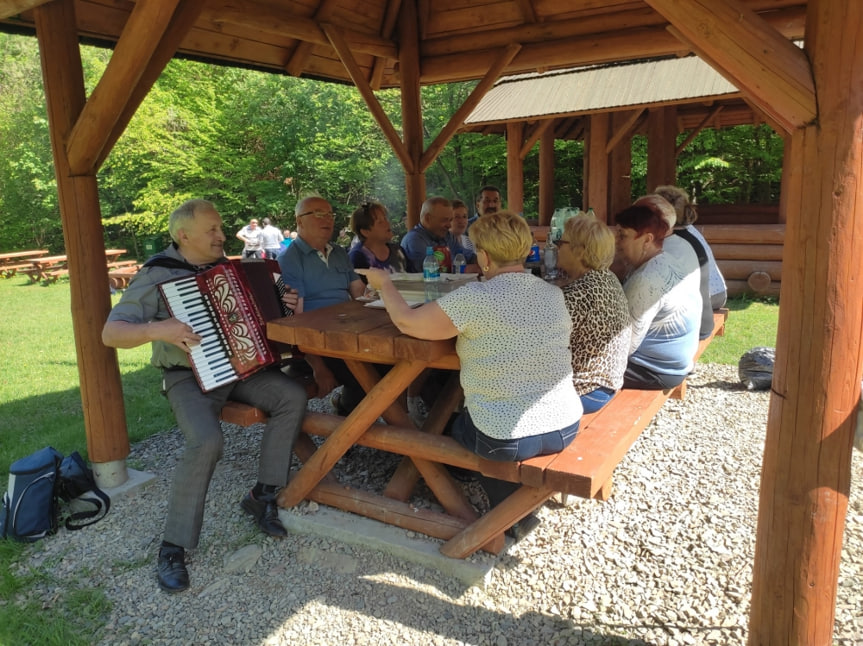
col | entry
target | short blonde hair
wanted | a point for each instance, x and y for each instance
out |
(594, 237)
(678, 198)
(504, 236)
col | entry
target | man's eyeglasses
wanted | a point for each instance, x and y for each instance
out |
(318, 214)
(562, 242)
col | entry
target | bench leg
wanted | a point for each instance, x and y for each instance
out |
(495, 522)
(679, 392)
(604, 492)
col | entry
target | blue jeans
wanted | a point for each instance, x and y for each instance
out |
(514, 450)
(469, 436)
(596, 399)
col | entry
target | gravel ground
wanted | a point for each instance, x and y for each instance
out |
(668, 560)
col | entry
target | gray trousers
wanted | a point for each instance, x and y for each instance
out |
(197, 413)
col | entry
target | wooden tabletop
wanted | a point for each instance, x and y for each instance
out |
(14, 255)
(352, 331)
(48, 260)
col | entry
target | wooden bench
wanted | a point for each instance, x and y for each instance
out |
(116, 264)
(8, 271)
(584, 469)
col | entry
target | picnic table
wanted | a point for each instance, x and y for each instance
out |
(47, 269)
(12, 261)
(363, 336)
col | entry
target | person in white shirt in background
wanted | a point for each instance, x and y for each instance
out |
(271, 239)
(251, 237)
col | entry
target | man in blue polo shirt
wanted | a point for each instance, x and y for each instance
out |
(322, 274)
(433, 230)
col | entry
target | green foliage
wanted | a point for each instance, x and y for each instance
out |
(256, 143)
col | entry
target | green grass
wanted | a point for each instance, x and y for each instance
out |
(40, 404)
(40, 397)
(751, 323)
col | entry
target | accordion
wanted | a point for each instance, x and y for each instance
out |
(229, 305)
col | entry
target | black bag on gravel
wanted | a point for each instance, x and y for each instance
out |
(42, 484)
(755, 368)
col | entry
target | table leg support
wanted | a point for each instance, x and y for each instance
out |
(354, 425)
(496, 521)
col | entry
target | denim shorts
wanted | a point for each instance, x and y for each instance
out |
(469, 436)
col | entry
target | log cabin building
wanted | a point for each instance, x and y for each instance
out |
(814, 95)
(615, 102)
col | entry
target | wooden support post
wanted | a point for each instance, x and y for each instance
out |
(816, 381)
(412, 114)
(546, 175)
(620, 189)
(596, 164)
(661, 136)
(99, 373)
(514, 167)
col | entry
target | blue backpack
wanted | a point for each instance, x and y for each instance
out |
(39, 484)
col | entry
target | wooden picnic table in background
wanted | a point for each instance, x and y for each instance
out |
(47, 269)
(12, 261)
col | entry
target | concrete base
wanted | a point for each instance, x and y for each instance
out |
(357, 530)
(136, 479)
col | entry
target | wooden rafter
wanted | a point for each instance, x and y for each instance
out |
(534, 135)
(14, 7)
(624, 130)
(141, 35)
(391, 15)
(749, 52)
(286, 25)
(701, 126)
(184, 18)
(457, 120)
(341, 46)
(297, 63)
(526, 8)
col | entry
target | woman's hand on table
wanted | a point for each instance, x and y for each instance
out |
(375, 277)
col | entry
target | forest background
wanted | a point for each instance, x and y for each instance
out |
(255, 143)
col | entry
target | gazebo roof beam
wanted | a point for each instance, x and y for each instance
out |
(750, 53)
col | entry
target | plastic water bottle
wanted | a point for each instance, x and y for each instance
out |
(458, 264)
(431, 275)
(549, 259)
(534, 261)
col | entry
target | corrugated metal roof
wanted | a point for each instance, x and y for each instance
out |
(601, 87)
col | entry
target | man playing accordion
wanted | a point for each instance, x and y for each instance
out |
(142, 316)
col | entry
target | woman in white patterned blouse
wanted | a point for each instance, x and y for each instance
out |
(513, 343)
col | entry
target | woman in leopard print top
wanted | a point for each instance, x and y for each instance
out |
(601, 325)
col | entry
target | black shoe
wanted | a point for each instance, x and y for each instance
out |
(266, 512)
(523, 527)
(171, 569)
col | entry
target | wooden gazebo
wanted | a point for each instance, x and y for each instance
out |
(605, 106)
(814, 94)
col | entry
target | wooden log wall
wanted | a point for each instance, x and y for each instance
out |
(748, 255)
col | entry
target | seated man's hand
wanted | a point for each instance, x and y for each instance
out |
(291, 298)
